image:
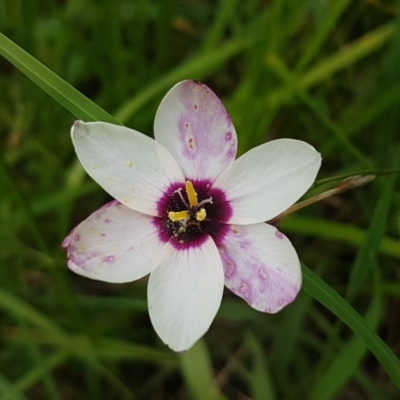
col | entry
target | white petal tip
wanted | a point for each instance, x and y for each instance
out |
(76, 125)
(66, 242)
(179, 351)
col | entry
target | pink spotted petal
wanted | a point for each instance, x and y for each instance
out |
(194, 126)
(260, 266)
(185, 293)
(131, 167)
(115, 244)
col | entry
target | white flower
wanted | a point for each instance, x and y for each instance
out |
(189, 214)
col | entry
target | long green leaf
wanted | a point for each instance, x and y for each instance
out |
(323, 293)
(8, 391)
(353, 52)
(74, 101)
(336, 231)
(197, 371)
(197, 68)
(35, 374)
(103, 349)
(373, 238)
(334, 12)
(262, 385)
(20, 308)
(347, 360)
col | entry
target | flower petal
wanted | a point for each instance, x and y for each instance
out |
(268, 179)
(184, 294)
(130, 166)
(261, 266)
(194, 126)
(115, 244)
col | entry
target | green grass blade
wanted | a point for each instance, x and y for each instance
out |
(347, 360)
(333, 14)
(278, 66)
(362, 47)
(74, 101)
(20, 308)
(36, 373)
(8, 391)
(261, 384)
(336, 231)
(323, 293)
(197, 371)
(195, 68)
(108, 349)
(373, 238)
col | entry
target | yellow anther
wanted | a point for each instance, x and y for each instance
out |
(201, 214)
(178, 216)
(191, 193)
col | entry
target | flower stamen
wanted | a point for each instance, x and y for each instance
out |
(193, 213)
(201, 214)
(191, 193)
(205, 201)
(179, 191)
(178, 216)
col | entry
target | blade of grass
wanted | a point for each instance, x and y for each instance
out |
(373, 238)
(285, 346)
(35, 353)
(104, 348)
(73, 100)
(336, 9)
(196, 68)
(8, 391)
(278, 66)
(36, 373)
(345, 233)
(261, 384)
(323, 293)
(371, 171)
(197, 371)
(355, 51)
(10, 187)
(107, 374)
(16, 306)
(346, 361)
(367, 114)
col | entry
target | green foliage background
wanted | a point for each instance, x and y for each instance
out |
(326, 72)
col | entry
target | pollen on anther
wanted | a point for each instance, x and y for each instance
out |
(201, 215)
(178, 216)
(191, 193)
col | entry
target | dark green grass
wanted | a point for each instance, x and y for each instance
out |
(323, 72)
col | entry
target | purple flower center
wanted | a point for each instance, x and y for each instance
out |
(185, 222)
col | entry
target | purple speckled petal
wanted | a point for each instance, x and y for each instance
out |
(133, 168)
(261, 266)
(115, 244)
(268, 179)
(185, 293)
(194, 126)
